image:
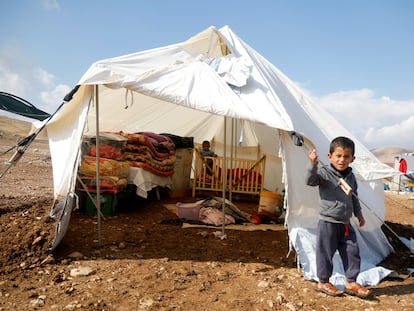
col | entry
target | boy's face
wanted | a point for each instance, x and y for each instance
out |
(341, 158)
(206, 147)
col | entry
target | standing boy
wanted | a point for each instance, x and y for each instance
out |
(337, 205)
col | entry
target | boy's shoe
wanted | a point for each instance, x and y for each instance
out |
(329, 289)
(355, 289)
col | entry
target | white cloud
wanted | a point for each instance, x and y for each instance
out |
(44, 77)
(11, 63)
(399, 134)
(10, 82)
(377, 122)
(50, 4)
(20, 77)
(55, 97)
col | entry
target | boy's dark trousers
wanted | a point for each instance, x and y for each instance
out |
(336, 236)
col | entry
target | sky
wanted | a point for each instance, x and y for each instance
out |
(354, 57)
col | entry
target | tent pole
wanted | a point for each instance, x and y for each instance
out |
(224, 178)
(98, 184)
(231, 160)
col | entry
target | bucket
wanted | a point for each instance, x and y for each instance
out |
(269, 202)
(107, 204)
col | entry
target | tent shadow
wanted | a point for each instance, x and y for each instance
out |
(394, 290)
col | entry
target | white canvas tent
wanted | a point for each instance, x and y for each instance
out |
(187, 89)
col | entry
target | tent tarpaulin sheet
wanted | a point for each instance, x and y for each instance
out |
(14, 104)
(188, 89)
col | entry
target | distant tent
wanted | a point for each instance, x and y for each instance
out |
(14, 104)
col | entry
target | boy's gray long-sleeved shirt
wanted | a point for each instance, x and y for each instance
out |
(335, 205)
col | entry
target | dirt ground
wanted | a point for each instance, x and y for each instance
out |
(147, 261)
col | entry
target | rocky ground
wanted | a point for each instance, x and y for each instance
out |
(144, 260)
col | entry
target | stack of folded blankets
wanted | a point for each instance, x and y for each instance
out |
(113, 168)
(119, 151)
(150, 151)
